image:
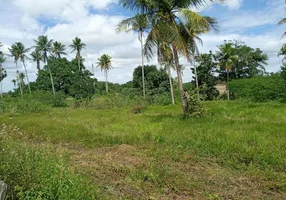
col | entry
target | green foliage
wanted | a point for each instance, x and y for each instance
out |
(260, 89)
(67, 79)
(196, 109)
(34, 173)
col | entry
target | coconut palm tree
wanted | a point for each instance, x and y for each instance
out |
(2, 72)
(226, 57)
(13, 50)
(169, 17)
(21, 78)
(139, 24)
(77, 46)
(165, 57)
(58, 49)
(282, 21)
(104, 62)
(22, 51)
(37, 57)
(45, 47)
(14, 82)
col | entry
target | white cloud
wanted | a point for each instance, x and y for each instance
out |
(233, 4)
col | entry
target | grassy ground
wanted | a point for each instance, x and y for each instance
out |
(237, 152)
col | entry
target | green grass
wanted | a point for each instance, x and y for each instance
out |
(237, 151)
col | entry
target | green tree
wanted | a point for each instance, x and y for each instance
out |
(77, 46)
(226, 57)
(104, 62)
(45, 47)
(282, 52)
(282, 21)
(15, 55)
(168, 19)
(206, 78)
(2, 72)
(58, 49)
(139, 24)
(21, 51)
(37, 57)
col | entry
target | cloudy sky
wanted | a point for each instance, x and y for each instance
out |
(251, 21)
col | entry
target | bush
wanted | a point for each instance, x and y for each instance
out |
(196, 109)
(259, 89)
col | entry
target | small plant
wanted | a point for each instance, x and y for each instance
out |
(196, 109)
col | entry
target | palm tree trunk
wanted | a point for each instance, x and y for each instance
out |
(171, 85)
(27, 77)
(184, 97)
(20, 85)
(227, 85)
(38, 66)
(142, 57)
(78, 60)
(52, 80)
(197, 81)
(106, 82)
(1, 89)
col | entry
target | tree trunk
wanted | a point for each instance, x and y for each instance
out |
(197, 81)
(142, 56)
(27, 77)
(227, 86)
(38, 66)
(184, 98)
(52, 80)
(171, 86)
(19, 84)
(106, 82)
(78, 61)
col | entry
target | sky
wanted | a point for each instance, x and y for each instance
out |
(94, 21)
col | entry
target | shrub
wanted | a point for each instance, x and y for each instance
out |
(259, 89)
(196, 109)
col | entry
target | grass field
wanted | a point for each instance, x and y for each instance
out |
(237, 152)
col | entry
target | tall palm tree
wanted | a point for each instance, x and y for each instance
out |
(169, 17)
(37, 57)
(59, 49)
(282, 52)
(226, 57)
(2, 72)
(45, 46)
(165, 57)
(77, 46)
(139, 24)
(22, 51)
(14, 53)
(21, 78)
(104, 62)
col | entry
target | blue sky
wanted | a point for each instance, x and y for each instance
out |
(251, 21)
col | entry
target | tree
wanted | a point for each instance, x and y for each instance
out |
(227, 56)
(282, 52)
(77, 46)
(139, 24)
(37, 57)
(165, 57)
(67, 79)
(168, 19)
(15, 55)
(44, 46)
(2, 72)
(58, 49)
(206, 78)
(22, 51)
(104, 62)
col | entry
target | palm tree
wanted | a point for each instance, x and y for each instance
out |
(37, 57)
(165, 57)
(22, 51)
(104, 62)
(21, 78)
(77, 46)
(227, 56)
(139, 24)
(2, 72)
(13, 50)
(44, 46)
(58, 49)
(14, 82)
(169, 18)
(282, 21)
(282, 52)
